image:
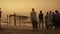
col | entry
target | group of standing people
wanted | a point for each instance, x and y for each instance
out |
(52, 19)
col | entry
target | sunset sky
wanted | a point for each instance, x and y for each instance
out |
(23, 7)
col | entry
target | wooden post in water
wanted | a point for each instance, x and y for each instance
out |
(14, 19)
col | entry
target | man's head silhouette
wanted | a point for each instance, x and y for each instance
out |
(56, 11)
(40, 11)
(32, 9)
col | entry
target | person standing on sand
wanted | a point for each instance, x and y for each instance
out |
(46, 19)
(41, 19)
(57, 19)
(34, 20)
(0, 18)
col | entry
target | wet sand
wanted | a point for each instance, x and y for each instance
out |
(17, 31)
(26, 30)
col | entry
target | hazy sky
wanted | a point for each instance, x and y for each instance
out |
(23, 7)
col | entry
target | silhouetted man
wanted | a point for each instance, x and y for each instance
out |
(0, 18)
(53, 21)
(34, 19)
(41, 19)
(57, 19)
(46, 20)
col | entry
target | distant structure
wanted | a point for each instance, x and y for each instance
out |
(23, 18)
(0, 18)
(14, 18)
